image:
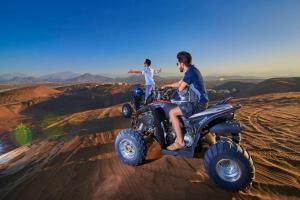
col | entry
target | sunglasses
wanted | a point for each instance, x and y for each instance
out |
(177, 64)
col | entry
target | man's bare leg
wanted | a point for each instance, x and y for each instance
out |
(174, 114)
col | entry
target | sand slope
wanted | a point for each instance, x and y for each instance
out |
(25, 94)
(6, 113)
(272, 132)
(8, 120)
(12, 102)
(85, 166)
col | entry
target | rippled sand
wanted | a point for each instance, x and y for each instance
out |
(85, 166)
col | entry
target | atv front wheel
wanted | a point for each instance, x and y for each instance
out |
(229, 165)
(131, 147)
(127, 110)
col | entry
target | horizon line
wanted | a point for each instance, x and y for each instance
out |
(168, 75)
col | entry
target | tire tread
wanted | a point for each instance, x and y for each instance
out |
(232, 149)
(141, 146)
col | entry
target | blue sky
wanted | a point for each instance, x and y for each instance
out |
(255, 37)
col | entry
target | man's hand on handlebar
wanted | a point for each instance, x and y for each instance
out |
(173, 85)
(166, 87)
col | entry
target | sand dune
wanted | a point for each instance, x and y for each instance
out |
(80, 98)
(25, 94)
(40, 106)
(6, 113)
(85, 166)
(12, 103)
(272, 129)
(272, 85)
(8, 120)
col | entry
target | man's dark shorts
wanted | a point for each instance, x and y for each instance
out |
(190, 108)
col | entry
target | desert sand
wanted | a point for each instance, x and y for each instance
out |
(73, 157)
(26, 93)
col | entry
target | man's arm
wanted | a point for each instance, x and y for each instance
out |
(181, 85)
(134, 71)
(173, 85)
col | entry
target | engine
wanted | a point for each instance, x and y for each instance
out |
(145, 122)
(170, 136)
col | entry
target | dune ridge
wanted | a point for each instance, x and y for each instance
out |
(27, 93)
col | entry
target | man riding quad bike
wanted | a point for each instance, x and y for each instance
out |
(227, 163)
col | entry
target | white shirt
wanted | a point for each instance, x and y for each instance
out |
(148, 72)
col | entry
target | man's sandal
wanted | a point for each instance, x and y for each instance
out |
(175, 146)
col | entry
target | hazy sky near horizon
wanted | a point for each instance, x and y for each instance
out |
(228, 37)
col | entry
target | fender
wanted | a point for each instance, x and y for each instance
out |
(206, 119)
(226, 127)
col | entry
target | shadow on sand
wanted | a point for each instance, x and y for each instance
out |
(75, 102)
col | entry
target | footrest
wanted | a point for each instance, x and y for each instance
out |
(186, 152)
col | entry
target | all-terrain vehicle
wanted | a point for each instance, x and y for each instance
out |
(228, 164)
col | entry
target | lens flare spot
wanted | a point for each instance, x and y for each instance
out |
(22, 134)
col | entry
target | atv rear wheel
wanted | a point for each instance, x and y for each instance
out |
(229, 165)
(131, 147)
(127, 110)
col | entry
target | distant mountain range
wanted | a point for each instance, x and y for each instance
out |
(61, 77)
(90, 78)
(69, 77)
(6, 77)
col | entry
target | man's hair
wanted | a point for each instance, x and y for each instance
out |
(184, 57)
(148, 62)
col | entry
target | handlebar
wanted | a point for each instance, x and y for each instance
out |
(160, 93)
